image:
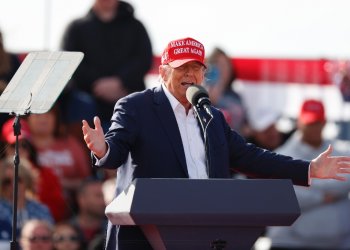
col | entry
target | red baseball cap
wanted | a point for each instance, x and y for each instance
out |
(7, 133)
(312, 111)
(181, 51)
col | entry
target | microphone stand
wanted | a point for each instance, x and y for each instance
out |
(216, 244)
(204, 124)
(17, 132)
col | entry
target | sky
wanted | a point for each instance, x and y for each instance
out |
(243, 28)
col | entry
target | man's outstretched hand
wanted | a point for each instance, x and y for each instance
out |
(326, 166)
(95, 138)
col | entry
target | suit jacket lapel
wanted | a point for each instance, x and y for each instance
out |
(169, 123)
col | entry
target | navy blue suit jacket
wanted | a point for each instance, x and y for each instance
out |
(144, 127)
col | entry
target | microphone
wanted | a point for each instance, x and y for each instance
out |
(198, 96)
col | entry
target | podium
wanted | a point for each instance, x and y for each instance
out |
(177, 214)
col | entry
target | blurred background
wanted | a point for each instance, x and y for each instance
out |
(283, 51)
(269, 28)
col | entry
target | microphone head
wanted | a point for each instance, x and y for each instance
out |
(195, 92)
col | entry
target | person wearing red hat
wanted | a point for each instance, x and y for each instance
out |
(311, 121)
(312, 111)
(323, 198)
(155, 134)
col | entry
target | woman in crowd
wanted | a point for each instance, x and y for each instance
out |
(48, 188)
(66, 237)
(27, 207)
(59, 151)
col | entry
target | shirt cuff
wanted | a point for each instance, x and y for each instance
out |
(309, 178)
(100, 160)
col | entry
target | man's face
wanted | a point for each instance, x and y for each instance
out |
(312, 133)
(92, 200)
(107, 5)
(270, 138)
(177, 80)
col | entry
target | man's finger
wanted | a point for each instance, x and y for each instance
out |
(85, 123)
(345, 159)
(340, 178)
(97, 123)
(344, 170)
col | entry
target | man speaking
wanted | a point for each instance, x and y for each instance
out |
(158, 133)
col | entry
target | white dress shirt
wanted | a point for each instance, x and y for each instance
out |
(191, 138)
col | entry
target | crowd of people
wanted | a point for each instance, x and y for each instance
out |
(62, 198)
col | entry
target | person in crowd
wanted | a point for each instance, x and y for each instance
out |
(341, 78)
(59, 151)
(66, 237)
(48, 188)
(157, 129)
(27, 207)
(324, 221)
(36, 235)
(263, 130)
(90, 219)
(75, 105)
(114, 64)
(219, 82)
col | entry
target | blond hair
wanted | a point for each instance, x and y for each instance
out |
(24, 174)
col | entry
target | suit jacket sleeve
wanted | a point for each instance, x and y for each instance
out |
(228, 148)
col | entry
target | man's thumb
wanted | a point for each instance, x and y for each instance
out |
(329, 150)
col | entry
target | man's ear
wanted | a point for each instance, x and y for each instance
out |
(163, 73)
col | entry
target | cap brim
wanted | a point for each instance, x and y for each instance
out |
(311, 118)
(178, 63)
